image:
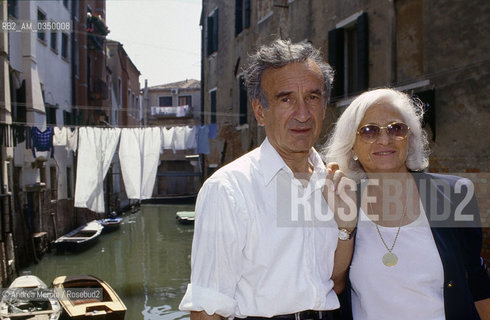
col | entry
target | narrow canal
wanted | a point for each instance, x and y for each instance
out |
(147, 262)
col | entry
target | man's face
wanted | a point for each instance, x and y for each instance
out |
(296, 107)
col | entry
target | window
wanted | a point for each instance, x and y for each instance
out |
(133, 105)
(349, 56)
(212, 99)
(185, 101)
(54, 183)
(242, 100)
(130, 105)
(12, 8)
(50, 114)
(119, 96)
(54, 41)
(68, 118)
(165, 101)
(69, 192)
(242, 15)
(212, 32)
(41, 16)
(64, 45)
(19, 113)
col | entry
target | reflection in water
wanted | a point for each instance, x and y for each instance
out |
(147, 262)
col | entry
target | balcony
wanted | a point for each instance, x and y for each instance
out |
(171, 112)
(96, 32)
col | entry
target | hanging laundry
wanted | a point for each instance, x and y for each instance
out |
(179, 138)
(139, 155)
(59, 138)
(72, 139)
(203, 139)
(213, 130)
(168, 139)
(180, 111)
(42, 140)
(191, 137)
(96, 150)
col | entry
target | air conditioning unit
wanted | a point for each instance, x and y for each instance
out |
(175, 91)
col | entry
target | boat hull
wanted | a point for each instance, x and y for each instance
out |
(105, 304)
(11, 307)
(79, 239)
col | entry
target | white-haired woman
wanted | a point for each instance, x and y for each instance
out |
(418, 241)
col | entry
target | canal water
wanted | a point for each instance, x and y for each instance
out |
(147, 262)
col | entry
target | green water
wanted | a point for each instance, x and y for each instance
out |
(147, 262)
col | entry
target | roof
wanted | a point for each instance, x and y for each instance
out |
(186, 84)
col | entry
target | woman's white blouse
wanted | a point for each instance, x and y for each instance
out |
(412, 289)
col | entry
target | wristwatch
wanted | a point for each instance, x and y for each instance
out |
(345, 234)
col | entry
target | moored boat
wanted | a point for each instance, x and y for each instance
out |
(185, 217)
(80, 238)
(88, 297)
(28, 297)
(110, 224)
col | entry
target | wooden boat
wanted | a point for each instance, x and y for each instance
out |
(80, 238)
(28, 297)
(110, 224)
(100, 300)
(185, 217)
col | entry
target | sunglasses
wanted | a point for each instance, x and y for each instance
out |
(395, 130)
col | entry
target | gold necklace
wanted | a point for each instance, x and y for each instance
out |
(390, 259)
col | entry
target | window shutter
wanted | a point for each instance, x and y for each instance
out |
(210, 27)
(215, 31)
(247, 14)
(238, 17)
(336, 60)
(363, 54)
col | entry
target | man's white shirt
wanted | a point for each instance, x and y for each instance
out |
(253, 253)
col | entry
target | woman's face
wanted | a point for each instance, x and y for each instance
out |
(385, 154)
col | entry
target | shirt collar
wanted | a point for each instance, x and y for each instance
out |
(270, 162)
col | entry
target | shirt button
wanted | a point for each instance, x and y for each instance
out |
(450, 284)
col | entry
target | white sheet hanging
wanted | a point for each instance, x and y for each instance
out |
(72, 139)
(139, 155)
(59, 137)
(95, 153)
(168, 139)
(180, 138)
(191, 137)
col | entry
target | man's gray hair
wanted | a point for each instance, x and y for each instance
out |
(339, 146)
(278, 54)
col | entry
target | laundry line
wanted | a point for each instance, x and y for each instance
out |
(139, 157)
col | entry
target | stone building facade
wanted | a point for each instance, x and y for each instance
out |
(435, 50)
(50, 78)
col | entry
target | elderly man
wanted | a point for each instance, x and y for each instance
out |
(250, 259)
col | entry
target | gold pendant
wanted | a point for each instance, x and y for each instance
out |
(390, 259)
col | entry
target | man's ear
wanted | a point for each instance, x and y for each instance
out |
(258, 112)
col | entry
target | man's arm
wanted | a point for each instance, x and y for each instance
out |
(202, 315)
